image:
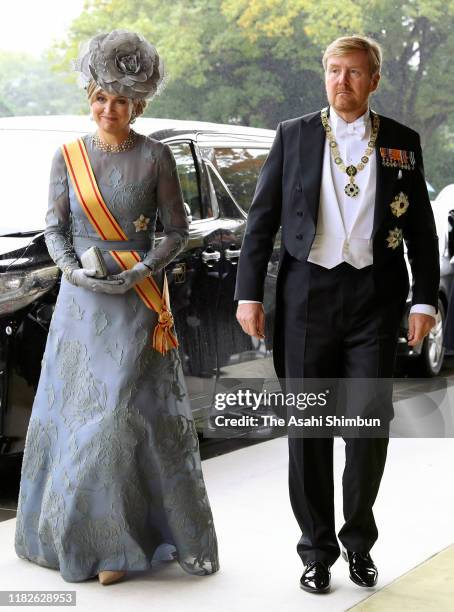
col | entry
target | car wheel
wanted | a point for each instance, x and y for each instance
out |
(430, 362)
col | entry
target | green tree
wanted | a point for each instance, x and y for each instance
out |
(259, 60)
(417, 37)
(256, 62)
(30, 86)
(217, 72)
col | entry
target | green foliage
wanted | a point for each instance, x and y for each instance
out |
(418, 76)
(28, 86)
(439, 158)
(259, 61)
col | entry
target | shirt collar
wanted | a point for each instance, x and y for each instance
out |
(342, 128)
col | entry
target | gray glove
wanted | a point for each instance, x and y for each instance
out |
(128, 278)
(81, 277)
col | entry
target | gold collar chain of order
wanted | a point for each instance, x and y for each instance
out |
(351, 188)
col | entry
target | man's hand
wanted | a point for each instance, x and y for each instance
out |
(251, 317)
(419, 325)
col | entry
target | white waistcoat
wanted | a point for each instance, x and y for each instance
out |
(344, 224)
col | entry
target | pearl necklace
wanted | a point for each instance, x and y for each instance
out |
(126, 145)
(351, 188)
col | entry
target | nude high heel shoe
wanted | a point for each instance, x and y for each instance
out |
(108, 576)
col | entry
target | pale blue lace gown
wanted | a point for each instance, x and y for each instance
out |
(111, 475)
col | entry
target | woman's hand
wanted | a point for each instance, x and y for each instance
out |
(128, 278)
(83, 277)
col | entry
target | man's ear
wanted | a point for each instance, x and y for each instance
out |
(375, 82)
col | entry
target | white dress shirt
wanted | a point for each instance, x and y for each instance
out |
(344, 224)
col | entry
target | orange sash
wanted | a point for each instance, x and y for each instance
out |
(92, 203)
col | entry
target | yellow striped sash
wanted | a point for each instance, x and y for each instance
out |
(105, 224)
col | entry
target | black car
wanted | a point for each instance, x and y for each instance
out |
(218, 168)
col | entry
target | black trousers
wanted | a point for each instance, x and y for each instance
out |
(333, 328)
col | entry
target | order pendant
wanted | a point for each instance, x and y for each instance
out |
(351, 189)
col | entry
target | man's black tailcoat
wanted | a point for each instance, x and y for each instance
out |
(288, 194)
(339, 322)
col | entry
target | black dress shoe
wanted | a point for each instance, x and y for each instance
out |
(362, 569)
(316, 577)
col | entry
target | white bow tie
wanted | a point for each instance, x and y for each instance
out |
(356, 130)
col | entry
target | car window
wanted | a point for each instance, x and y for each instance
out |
(224, 201)
(239, 167)
(431, 190)
(187, 173)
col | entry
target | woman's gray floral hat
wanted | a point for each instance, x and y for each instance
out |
(122, 63)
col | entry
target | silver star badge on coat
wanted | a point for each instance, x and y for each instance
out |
(394, 238)
(400, 204)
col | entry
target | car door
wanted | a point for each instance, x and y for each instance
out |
(194, 280)
(233, 167)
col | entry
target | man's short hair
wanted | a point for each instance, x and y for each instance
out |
(349, 44)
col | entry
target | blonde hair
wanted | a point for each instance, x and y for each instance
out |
(138, 104)
(347, 44)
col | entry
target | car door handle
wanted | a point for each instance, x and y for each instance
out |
(209, 257)
(232, 253)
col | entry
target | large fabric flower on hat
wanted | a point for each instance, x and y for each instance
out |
(122, 63)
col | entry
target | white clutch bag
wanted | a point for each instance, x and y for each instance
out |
(92, 259)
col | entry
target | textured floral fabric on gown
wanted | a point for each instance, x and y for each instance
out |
(111, 475)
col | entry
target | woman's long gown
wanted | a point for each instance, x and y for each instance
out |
(111, 473)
